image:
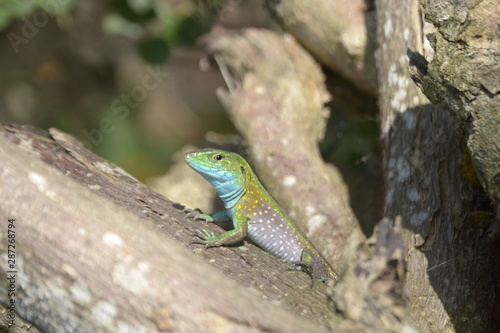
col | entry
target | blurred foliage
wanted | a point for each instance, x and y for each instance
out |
(352, 144)
(153, 29)
(153, 49)
(350, 140)
(14, 9)
(137, 11)
(128, 18)
(156, 30)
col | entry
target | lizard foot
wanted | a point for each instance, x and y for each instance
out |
(196, 214)
(205, 237)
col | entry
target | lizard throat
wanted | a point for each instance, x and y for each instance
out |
(230, 192)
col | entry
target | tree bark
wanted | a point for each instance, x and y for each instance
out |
(278, 105)
(464, 76)
(276, 99)
(340, 34)
(451, 272)
(98, 251)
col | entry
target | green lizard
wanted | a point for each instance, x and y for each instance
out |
(254, 213)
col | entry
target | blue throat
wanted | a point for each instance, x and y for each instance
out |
(229, 191)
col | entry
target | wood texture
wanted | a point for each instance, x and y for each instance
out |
(99, 251)
(464, 76)
(450, 259)
(340, 34)
(278, 106)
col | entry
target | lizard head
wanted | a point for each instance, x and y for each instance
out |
(227, 172)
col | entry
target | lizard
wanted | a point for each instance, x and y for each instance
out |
(254, 213)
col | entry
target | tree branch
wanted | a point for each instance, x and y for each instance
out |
(450, 257)
(465, 76)
(278, 107)
(340, 34)
(96, 250)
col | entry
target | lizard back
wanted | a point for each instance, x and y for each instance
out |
(268, 226)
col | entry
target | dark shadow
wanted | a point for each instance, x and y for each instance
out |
(351, 144)
(439, 205)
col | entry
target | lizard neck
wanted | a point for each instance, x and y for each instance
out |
(230, 191)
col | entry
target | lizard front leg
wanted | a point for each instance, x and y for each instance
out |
(229, 237)
(220, 216)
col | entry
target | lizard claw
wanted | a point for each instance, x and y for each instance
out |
(204, 237)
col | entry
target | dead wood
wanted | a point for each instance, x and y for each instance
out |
(96, 250)
(450, 256)
(464, 76)
(340, 34)
(278, 105)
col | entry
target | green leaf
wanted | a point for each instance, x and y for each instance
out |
(154, 50)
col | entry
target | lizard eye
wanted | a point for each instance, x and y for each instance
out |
(218, 157)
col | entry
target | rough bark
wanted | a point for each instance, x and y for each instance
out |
(340, 34)
(21, 325)
(99, 251)
(464, 76)
(96, 250)
(276, 100)
(371, 296)
(450, 269)
(277, 104)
